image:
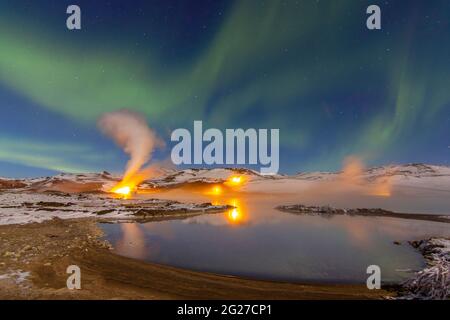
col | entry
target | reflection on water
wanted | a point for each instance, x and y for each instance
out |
(255, 240)
(236, 215)
(132, 241)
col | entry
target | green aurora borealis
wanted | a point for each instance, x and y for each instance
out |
(309, 68)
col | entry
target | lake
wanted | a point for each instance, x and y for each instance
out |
(257, 241)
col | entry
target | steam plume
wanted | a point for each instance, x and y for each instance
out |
(131, 132)
(353, 181)
(352, 171)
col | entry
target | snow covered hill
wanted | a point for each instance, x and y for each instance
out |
(77, 195)
(416, 170)
(410, 175)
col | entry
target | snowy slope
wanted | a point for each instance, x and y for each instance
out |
(27, 207)
(420, 176)
(409, 175)
(81, 195)
(218, 175)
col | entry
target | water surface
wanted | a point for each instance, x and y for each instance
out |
(257, 241)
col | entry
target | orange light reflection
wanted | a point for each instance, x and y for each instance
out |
(235, 215)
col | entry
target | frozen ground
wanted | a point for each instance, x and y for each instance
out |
(82, 195)
(433, 282)
(25, 207)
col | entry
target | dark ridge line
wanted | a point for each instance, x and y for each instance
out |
(361, 212)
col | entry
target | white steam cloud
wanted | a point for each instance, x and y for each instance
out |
(131, 132)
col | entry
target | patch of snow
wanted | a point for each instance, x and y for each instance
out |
(18, 276)
(433, 282)
(408, 175)
(26, 207)
(413, 179)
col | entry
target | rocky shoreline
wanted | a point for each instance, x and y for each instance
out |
(433, 282)
(25, 207)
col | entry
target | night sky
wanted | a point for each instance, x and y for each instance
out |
(310, 68)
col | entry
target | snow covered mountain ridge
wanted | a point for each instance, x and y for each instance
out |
(417, 170)
(218, 175)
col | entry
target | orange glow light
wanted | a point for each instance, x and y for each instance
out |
(126, 190)
(234, 181)
(216, 190)
(235, 215)
(123, 190)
